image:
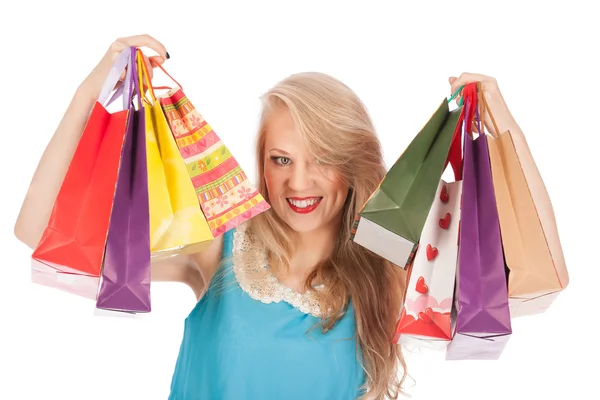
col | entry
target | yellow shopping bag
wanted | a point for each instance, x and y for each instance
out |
(177, 223)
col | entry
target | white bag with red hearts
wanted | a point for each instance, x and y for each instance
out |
(425, 318)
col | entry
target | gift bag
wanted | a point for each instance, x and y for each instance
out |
(70, 252)
(482, 325)
(226, 195)
(125, 284)
(532, 248)
(425, 317)
(177, 224)
(391, 221)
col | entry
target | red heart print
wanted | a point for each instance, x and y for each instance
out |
(432, 252)
(444, 196)
(421, 286)
(424, 317)
(445, 222)
(429, 312)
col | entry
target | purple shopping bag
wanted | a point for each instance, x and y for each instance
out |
(482, 324)
(126, 271)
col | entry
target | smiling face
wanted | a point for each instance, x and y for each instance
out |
(305, 194)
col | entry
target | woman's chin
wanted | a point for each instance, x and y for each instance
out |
(301, 223)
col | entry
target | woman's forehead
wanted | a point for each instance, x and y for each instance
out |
(281, 131)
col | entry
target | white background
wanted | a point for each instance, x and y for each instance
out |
(398, 59)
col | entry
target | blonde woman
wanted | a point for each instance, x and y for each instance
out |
(288, 307)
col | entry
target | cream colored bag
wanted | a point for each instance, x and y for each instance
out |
(532, 247)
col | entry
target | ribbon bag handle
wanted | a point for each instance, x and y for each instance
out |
(135, 78)
(123, 61)
(173, 79)
(144, 79)
(132, 84)
(145, 82)
(455, 155)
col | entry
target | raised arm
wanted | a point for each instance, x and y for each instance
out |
(52, 167)
(195, 269)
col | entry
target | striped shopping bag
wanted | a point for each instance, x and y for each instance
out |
(226, 195)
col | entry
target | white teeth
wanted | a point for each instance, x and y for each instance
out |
(303, 203)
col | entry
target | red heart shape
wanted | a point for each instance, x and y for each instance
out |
(445, 222)
(429, 312)
(421, 286)
(432, 252)
(444, 196)
(423, 316)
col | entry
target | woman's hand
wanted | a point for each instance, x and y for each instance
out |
(90, 88)
(491, 91)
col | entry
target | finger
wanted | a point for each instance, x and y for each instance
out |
(114, 50)
(155, 61)
(145, 41)
(466, 78)
(149, 68)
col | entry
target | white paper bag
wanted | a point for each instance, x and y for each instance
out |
(425, 318)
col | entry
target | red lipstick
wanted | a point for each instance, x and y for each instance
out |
(303, 210)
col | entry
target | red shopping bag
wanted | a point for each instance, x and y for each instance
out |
(70, 252)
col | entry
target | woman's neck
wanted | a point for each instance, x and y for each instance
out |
(311, 248)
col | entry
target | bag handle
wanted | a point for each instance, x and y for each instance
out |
(486, 108)
(471, 112)
(136, 79)
(135, 72)
(123, 61)
(141, 66)
(455, 155)
(144, 77)
(173, 79)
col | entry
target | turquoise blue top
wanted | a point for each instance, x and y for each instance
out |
(238, 347)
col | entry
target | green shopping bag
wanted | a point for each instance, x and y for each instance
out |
(391, 221)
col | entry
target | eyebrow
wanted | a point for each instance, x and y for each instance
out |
(280, 151)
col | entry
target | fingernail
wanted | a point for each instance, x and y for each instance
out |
(167, 55)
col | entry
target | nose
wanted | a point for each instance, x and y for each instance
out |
(301, 178)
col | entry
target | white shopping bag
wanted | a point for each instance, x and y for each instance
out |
(425, 317)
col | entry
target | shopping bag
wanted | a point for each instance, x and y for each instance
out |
(177, 224)
(391, 221)
(482, 325)
(226, 195)
(70, 252)
(532, 248)
(125, 283)
(425, 317)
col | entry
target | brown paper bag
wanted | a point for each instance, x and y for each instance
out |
(537, 272)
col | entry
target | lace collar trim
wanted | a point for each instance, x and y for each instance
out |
(251, 271)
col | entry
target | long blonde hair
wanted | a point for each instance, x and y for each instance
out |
(331, 117)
